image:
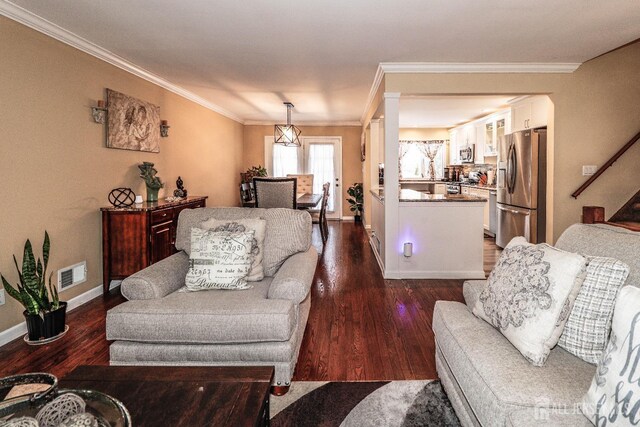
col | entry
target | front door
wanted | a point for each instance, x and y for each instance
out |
(320, 156)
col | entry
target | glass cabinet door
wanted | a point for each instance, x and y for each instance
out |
(489, 139)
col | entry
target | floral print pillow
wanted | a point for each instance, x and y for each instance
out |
(529, 295)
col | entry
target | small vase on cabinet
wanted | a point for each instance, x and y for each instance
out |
(152, 194)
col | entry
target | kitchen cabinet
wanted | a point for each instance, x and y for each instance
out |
(468, 135)
(135, 237)
(529, 113)
(484, 193)
(453, 147)
(495, 127)
(484, 133)
(440, 189)
(480, 142)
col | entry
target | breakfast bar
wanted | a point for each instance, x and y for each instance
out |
(439, 236)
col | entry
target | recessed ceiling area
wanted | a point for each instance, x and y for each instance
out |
(447, 111)
(247, 57)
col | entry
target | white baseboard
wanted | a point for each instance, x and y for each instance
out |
(12, 333)
(19, 330)
(348, 218)
(466, 275)
(377, 255)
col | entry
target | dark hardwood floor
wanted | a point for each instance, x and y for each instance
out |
(361, 327)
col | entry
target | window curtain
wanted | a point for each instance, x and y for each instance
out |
(321, 165)
(285, 160)
(404, 148)
(430, 150)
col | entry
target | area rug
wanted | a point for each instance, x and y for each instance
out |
(362, 404)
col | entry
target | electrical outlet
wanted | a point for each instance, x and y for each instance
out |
(1, 296)
(588, 170)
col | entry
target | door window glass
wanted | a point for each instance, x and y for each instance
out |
(321, 165)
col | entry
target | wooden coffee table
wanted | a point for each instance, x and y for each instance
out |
(183, 396)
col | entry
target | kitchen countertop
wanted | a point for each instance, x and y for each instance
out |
(421, 181)
(417, 196)
(485, 187)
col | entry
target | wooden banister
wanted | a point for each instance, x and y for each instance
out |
(606, 166)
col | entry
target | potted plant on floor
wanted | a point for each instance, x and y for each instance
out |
(356, 200)
(44, 313)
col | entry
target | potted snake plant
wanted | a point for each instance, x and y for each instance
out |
(44, 313)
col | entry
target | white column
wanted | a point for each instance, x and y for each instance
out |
(391, 137)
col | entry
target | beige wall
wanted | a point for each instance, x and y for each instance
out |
(423, 133)
(55, 170)
(596, 113)
(351, 165)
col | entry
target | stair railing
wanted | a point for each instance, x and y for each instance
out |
(606, 166)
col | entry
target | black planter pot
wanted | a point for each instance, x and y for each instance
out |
(357, 218)
(54, 321)
(60, 317)
(34, 326)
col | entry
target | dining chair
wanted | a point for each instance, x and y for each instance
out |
(246, 194)
(305, 182)
(321, 218)
(275, 192)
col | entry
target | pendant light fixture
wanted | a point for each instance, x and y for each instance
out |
(288, 134)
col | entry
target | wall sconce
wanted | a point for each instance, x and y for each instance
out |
(164, 128)
(407, 249)
(99, 113)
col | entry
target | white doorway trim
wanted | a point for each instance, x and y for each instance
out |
(335, 187)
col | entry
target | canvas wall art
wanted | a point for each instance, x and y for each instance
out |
(132, 124)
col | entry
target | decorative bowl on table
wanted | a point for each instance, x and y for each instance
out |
(35, 400)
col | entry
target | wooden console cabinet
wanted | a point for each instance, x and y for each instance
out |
(135, 237)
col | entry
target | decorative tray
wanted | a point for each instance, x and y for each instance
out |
(50, 406)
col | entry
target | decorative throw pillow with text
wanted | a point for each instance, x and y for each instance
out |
(613, 399)
(219, 260)
(258, 226)
(529, 295)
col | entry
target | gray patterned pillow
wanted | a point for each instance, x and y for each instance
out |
(259, 226)
(613, 399)
(587, 330)
(219, 260)
(529, 294)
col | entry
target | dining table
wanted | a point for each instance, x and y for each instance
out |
(308, 200)
(303, 201)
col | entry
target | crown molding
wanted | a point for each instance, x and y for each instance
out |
(31, 20)
(478, 67)
(463, 67)
(377, 79)
(301, 124)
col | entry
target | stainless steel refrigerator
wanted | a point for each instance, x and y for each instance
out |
(521, 187)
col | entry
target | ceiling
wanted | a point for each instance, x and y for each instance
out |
(447, 111)
(247, 57)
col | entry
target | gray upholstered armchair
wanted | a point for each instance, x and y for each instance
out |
(264, 325)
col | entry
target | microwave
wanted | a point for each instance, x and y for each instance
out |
(467, 154)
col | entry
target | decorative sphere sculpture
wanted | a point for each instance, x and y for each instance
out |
(122, 197)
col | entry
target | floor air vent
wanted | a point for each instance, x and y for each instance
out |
(71, 276)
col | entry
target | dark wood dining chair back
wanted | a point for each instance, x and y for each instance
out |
(275, 192)
(246, 194)
(322, 217)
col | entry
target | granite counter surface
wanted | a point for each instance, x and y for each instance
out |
(417, 196)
